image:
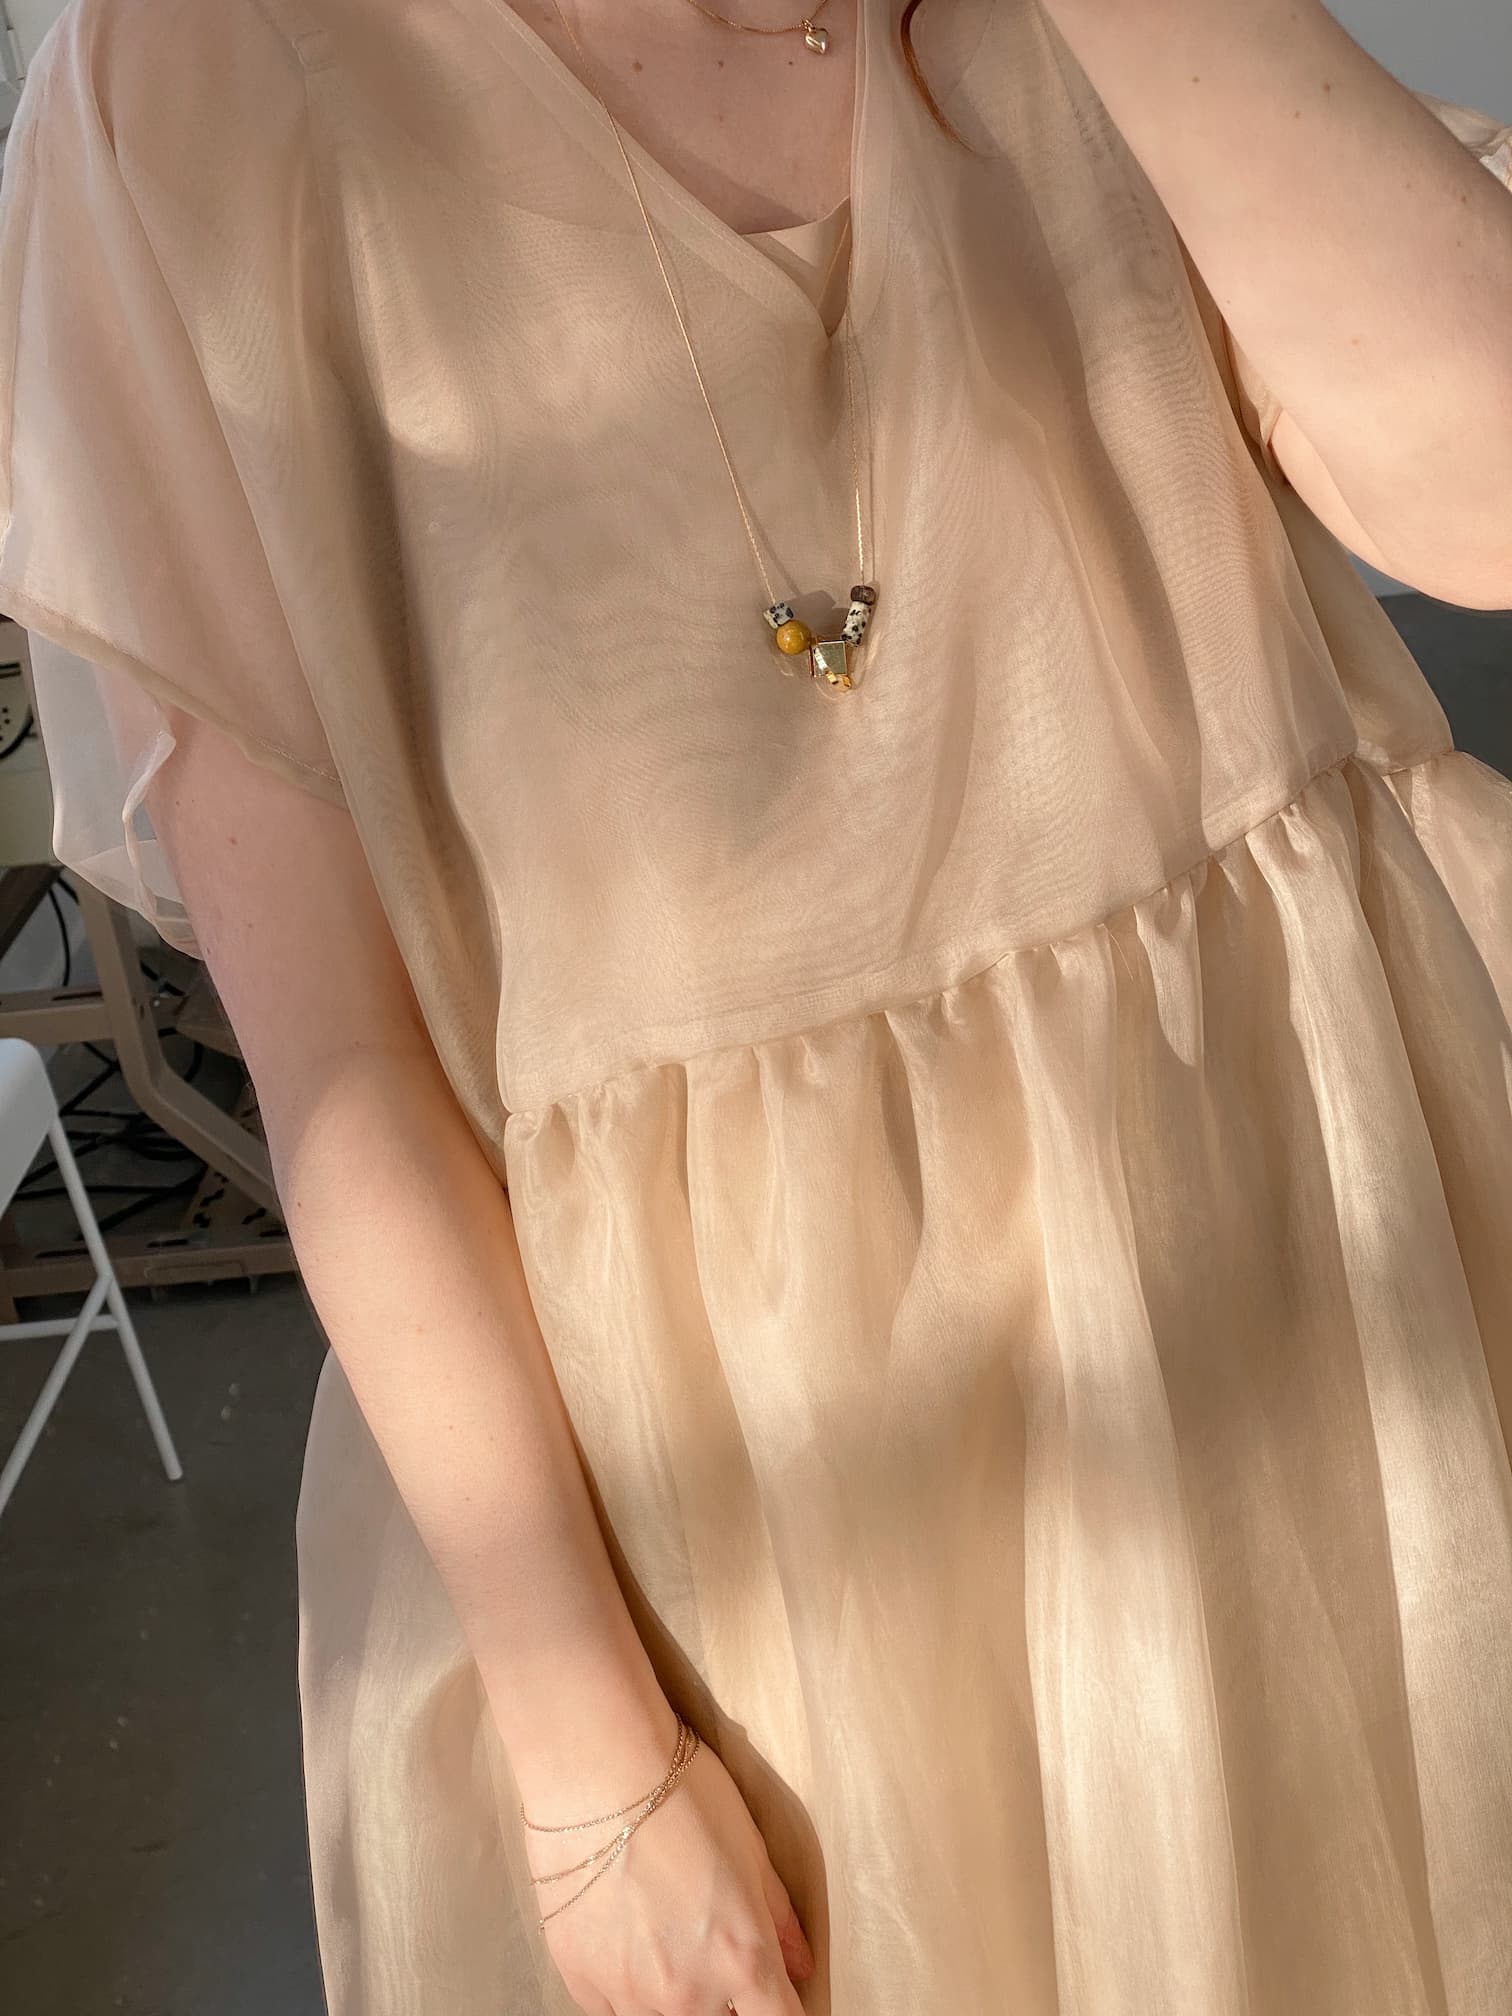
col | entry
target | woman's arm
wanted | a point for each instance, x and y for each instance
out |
(1361, 255)
(407, 1246)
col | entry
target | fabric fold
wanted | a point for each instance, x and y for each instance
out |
(1124, 1698)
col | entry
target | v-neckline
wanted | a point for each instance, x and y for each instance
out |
(745, 262)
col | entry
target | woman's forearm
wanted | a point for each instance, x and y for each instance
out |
(407, 1246)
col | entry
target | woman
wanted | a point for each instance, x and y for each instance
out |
(1001, 1318)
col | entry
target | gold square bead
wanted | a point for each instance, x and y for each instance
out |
(829, 659)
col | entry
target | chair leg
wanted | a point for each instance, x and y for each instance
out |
(130, 1346)
(146, 1391)
(46, 1400)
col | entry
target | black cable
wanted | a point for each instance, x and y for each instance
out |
(142, 1203)
(121, 1189)
(157, 979)
(131, 1132)
(135, 1134)
(154, 1147)
(190, 1072)
(132, 1138)
(100, 1077)
(57, 908)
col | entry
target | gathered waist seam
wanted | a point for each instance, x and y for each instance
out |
(979, 965)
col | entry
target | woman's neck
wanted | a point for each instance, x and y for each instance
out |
(757, 127)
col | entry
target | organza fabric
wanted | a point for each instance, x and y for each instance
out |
(1012, 1163)
(816, 254)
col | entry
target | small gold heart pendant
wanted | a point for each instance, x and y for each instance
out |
(816, 38)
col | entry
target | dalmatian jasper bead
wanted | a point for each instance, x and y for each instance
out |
(856, 622)
(778, 614)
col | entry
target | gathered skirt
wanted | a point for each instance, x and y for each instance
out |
(1052, 1435)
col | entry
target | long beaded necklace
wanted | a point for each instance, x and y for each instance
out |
(830, 655)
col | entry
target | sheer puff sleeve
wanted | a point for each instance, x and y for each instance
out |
(164, 384)
(1259, 409)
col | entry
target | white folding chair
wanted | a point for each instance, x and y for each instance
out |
(28, 1117)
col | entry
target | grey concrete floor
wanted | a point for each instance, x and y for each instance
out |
(152, 1854)
(153, 1859)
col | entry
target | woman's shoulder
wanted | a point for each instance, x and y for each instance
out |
(168, 88)
(165, 143)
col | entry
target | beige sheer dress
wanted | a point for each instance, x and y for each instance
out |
(1014, 1163)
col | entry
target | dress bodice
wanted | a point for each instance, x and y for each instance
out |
(816, 254)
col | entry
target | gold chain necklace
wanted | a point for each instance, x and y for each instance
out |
(816, 38)
(831, 655)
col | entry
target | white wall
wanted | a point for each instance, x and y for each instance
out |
(31, 20)
(1458, 49)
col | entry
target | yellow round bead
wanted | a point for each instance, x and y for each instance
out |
(793, 637)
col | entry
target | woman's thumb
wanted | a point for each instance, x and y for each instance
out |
(797, 1954)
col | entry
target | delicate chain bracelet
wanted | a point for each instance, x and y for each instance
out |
(682, 1757)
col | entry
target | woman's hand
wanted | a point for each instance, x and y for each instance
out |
(689, 1915)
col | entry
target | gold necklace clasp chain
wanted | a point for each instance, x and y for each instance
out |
(816, 38)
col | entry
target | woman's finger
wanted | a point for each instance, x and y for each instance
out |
(775, 1995)
(797, 1954)
(588, 1999)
